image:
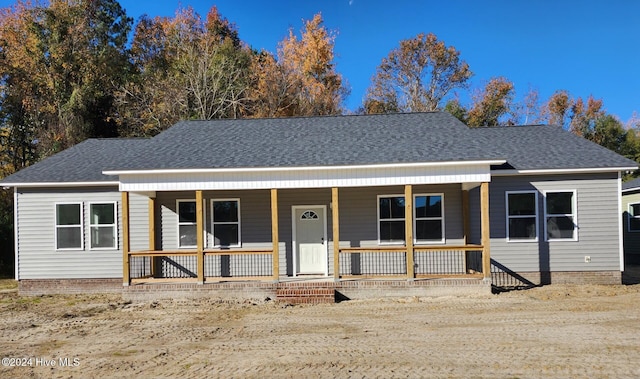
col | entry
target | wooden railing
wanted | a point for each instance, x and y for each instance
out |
(219, 264)
(429, 262)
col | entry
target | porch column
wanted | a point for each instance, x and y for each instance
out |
(200, 235)
(152, 232)
(484, 225)
(465, 216)
(274, 235)
(335, 214)
(125, 239)
(408, 225)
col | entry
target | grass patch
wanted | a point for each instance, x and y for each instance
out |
(8, 284)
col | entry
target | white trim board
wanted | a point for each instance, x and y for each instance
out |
(319, 178)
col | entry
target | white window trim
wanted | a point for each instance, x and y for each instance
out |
(178, 223)
(213, 222)
(56, 226)
(387, 243)
(574, 207)
(441, 218)
(114, 225)
(629, 217)
(508, 217)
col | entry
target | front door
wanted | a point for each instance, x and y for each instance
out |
(310, 239)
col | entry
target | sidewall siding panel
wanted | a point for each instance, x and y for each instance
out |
(38, 258)
(597, 215)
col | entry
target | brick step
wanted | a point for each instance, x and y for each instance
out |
(306, 295)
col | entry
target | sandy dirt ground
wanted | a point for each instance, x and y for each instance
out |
(549, 332)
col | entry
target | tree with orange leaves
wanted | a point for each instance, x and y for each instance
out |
(302, 79)
(416, 76)
(491, 104)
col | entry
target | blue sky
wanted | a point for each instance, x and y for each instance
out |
(585, 47)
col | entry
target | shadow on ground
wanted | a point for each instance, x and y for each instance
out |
(631, 274)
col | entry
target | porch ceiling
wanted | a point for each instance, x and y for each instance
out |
(306, 177)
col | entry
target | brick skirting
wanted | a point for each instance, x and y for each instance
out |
(343, 290)
(35, 287)
(556, 277)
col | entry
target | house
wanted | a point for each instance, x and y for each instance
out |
(631, 220)
(413, 199)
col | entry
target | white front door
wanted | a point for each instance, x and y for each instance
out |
(310, 239)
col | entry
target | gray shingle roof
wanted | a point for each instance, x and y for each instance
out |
(310, 141)
(83, 162)
(322, 141)
(632, 184)
(538, 147)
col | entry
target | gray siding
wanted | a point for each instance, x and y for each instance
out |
(631, 239)
(138, 222)
(37, 255)
(358, 216)
(597, 215)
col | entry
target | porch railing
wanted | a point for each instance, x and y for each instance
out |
(365, 262)
(429, 261)
(218, 264)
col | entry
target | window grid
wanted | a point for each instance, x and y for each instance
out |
(573, 216)
(510, 217)
(390, 219)
(184, 225)
(214, 223)
(430, 218)
(60, 227)
(98, 225)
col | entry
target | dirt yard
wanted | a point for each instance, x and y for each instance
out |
(549, 332)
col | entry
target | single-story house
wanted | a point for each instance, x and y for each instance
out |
(398, 197)
(631, 220)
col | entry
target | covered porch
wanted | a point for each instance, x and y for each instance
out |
(345, 261)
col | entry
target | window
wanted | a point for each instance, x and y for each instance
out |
(634, 217)
(226, 222)
(187, 230)
(102, 224)
(429, 218)
(522, 216)
(69, 226)
(309, 215)
(560, 215)
(391, 219)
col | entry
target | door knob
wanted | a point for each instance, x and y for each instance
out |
(322, 240)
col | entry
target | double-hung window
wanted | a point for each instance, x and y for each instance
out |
(634, 217)
(391, 219)
(429, 218)
(522, 216)
(225, 222)
(428, 224)
(102, 224)
(69, 234)
(187, 230)
(560, 215)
